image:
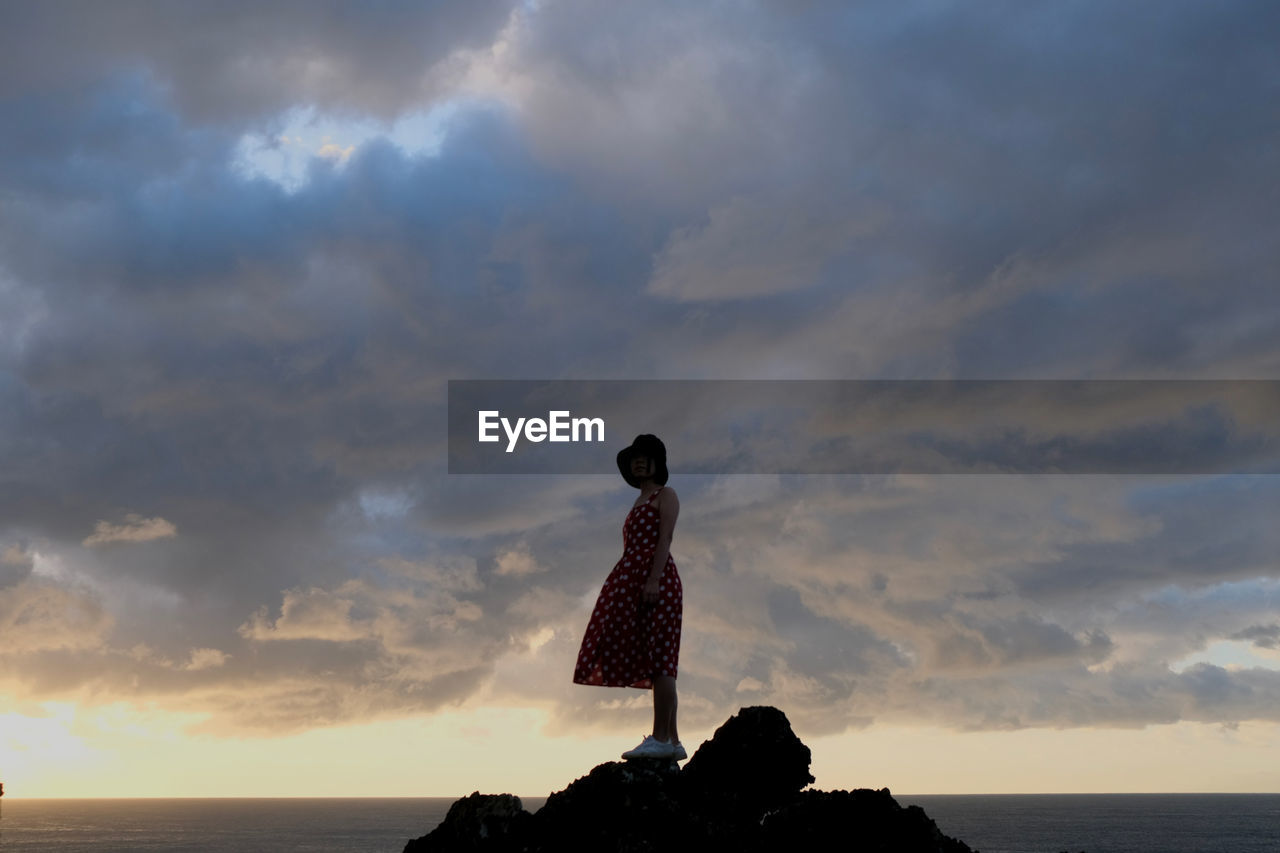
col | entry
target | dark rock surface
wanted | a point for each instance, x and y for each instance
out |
(476, 823)
(743, 790)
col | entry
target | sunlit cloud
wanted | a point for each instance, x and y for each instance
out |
(38, 615)
(134, 529)
(518, 561)
(206, 659)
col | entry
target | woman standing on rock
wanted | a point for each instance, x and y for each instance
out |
(633, 637)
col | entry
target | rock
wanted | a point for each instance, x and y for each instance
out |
(863, 820)
(634, 806)
(743, 790)
(754, 758)
(478, 822)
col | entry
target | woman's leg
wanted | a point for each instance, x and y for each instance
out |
(664, 709)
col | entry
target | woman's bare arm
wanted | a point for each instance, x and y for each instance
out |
(668, 511)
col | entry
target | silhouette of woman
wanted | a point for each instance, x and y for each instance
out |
(633, 636)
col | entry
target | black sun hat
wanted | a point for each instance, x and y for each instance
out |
(644, 445)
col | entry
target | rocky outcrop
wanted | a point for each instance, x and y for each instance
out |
(477, 822)
(743, 790)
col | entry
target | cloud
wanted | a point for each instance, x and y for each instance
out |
(36, 615)
(889, 616)
(134, 529)
(752, 248)
(454, 574)
(880, 190)
(312, 614)
(330, 151)
(517, 562)
(1262, 636)
(206, 659)
(248, 61)
(401, 620)
(16, 563)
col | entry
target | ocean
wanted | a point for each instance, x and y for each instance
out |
(1108, 823)
(1007, 823)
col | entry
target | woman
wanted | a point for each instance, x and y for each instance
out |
(633, 637)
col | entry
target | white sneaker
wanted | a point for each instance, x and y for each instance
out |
(650, 747)
(678, 754)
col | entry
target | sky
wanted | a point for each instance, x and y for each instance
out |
(244, 247)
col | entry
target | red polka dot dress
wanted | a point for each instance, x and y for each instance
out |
(626, 642)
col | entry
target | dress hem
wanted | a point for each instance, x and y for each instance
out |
(647, 684)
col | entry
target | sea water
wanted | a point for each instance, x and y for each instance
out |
(1108, 823)
(1023, 823)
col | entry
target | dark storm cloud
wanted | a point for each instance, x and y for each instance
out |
(225, 316)
(240, 61)
(1110, 157)
(1262, 636)
(770, 190)
(210, 353)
